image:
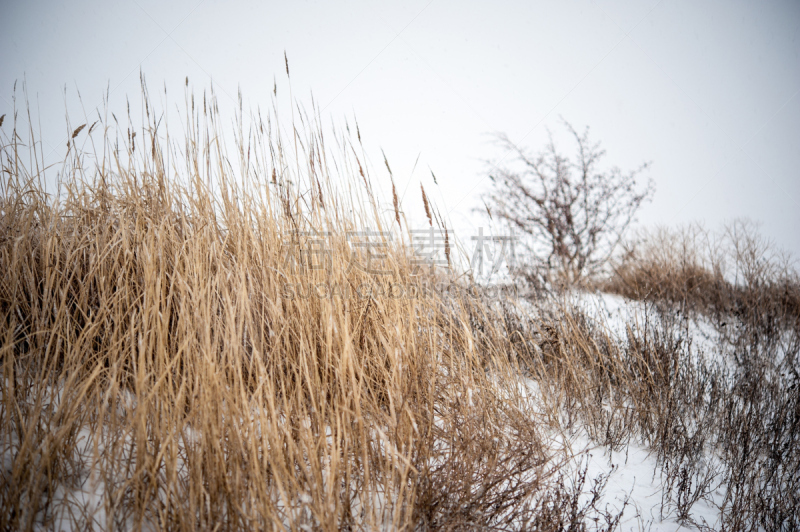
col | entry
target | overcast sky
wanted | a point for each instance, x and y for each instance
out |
(707, 91)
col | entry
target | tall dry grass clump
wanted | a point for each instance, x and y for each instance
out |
(175, 354)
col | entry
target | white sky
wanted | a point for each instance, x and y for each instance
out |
(707, 91)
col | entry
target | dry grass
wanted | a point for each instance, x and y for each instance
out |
(152, 355)
(735, 271)
(160, 352)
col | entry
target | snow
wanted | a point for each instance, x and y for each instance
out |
(82, 500)
(634, 475)
(616, 313)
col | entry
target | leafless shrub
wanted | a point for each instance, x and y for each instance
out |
(571, 213)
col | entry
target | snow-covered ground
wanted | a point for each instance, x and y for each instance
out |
(634, 473)
(634, 476)
(617, 313)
